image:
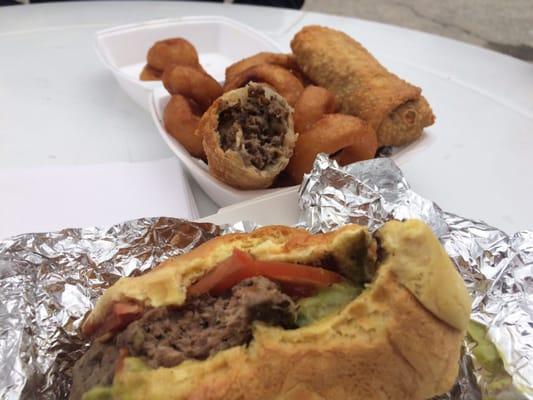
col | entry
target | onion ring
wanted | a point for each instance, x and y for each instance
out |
(181, 118)
(281, 80)
(172, 51)
(286, 61)
(332, 134)
(150, 74)
(193, 84)
(297, 72)
(312, 105)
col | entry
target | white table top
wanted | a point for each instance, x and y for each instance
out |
(59, 105)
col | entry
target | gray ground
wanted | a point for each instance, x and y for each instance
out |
(502, 25)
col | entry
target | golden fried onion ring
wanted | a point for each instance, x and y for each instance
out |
(181, 118)
(172, 51)
(193, 84)
(281, 80)
(312, 105)
(349, 137)
(286, 61)
(150, 74)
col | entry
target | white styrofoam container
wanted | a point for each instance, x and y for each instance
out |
(219, 42)
(222, 194)
(284, 202)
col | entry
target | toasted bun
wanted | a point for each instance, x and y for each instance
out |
(400, 339)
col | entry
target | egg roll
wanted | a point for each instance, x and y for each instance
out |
(394, 108)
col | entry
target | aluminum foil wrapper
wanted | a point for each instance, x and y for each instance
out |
(497, 268)
(49, 281)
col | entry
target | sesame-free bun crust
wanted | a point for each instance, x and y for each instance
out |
(400, 339)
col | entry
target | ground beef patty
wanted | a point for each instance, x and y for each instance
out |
(96, 367)
(263, 123)
(205, 325)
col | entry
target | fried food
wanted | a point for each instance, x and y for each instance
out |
(168, 52)
(192, 84)
(286, 61)
(347, 137)
(181, 118)
(321, 130)
(396, 335)
(248, 136)
(150, 74)
(394, 108)
(364, 147)
(281, 80)
(192, 93)
(408, 119)
(174, 51)
(312, 105)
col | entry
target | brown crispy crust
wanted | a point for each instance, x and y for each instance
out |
(406, 123)
(193, 84)
(363, 86)
(280, 79)
(228, 165)
(351, 138)
(283, 60)
(172, 51)
(400, 339)
(181, 118)
(149, 73)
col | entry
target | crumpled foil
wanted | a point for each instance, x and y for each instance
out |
(497, 268)
(48, 281)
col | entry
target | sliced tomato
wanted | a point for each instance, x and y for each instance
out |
(120, 316)
(241, 266)
(228, 272)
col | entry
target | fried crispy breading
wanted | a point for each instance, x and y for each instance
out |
(393, 107)
(313, 104)
(176, 51)
(350, 138)
(283, 60)
(192, 84)
(150, 74)
(280, 79)
(181, 118)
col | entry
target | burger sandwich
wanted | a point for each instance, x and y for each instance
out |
(280, 313)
